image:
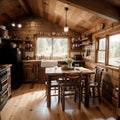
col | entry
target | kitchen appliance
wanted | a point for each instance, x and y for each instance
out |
(3, 86)
(13, 56)
(78, 57)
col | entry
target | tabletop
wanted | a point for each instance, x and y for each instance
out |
(58, 70)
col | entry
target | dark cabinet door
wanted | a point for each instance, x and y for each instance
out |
(36, 71)
(28, 73)
(33, 72)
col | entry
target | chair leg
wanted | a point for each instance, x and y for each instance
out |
(59, 94)
(79, 99)
(75, 96)
(99, 97)
(93, 90)
(63, 103)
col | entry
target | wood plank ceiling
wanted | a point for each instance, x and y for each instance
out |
(82, 14)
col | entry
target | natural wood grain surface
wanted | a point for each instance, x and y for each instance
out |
(82, 15)
(29, 103)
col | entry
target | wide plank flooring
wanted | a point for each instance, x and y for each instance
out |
(29, 103)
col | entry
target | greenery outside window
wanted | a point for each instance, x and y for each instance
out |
(52, 47)
(114, 50)
(101, 50)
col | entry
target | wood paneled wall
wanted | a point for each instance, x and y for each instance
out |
(40, 27)
(36, 27)
(90, 62)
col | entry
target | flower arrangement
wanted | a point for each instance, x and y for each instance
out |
(69, 61)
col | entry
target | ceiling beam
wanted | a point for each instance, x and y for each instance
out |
(24, 6)
(98, 7)
(40, 7)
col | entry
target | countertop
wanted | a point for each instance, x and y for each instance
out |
(60, 60)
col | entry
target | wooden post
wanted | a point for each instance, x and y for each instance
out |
(118, 107)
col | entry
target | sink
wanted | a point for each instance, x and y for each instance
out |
(49, 63)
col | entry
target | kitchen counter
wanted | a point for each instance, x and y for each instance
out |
(31, 60)
(52, 62)
(60, 60)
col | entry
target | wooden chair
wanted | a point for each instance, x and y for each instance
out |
(70, 86)
(54, 87)
(95, 85)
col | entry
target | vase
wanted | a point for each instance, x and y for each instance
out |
(70, 65)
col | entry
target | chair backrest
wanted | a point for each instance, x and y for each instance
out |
(98, 74)
(72, 80)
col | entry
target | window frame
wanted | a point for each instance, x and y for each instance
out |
(101, 50)
(106, 49)
(52, 37)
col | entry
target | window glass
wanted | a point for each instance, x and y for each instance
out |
(101, 56)
(101, 50)
(114, 50)
(44, 46)
(102, 44)
(52, 47)
(60, 47)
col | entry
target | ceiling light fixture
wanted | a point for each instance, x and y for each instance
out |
(66, 28)
(18, 24)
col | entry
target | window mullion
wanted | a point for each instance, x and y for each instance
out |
(107, 50)
(52, 47)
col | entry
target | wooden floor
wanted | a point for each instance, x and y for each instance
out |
(29, 103)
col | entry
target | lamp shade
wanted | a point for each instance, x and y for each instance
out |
(66, 28)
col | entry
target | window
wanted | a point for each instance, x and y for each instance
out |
(101, 50)
(114, 50)
(52, 47)
(109, 52)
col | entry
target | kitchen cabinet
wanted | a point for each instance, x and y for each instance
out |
(33, 72)
(28, 71)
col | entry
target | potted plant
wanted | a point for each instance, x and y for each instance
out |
(69, 61)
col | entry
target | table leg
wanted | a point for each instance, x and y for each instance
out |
(48, 92)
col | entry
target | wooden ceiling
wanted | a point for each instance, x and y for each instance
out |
(82, 14)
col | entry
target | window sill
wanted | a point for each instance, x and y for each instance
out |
(108, 66)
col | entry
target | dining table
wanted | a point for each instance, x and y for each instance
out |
(51, 71)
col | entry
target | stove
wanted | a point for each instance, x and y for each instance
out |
(3, 86)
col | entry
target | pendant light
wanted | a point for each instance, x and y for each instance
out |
(66, 28)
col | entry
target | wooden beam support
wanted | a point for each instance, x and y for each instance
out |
(24, 6)
(99, 7)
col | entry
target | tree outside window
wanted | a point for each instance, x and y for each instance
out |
(114, 50)
(101, 50)
(52, 47)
